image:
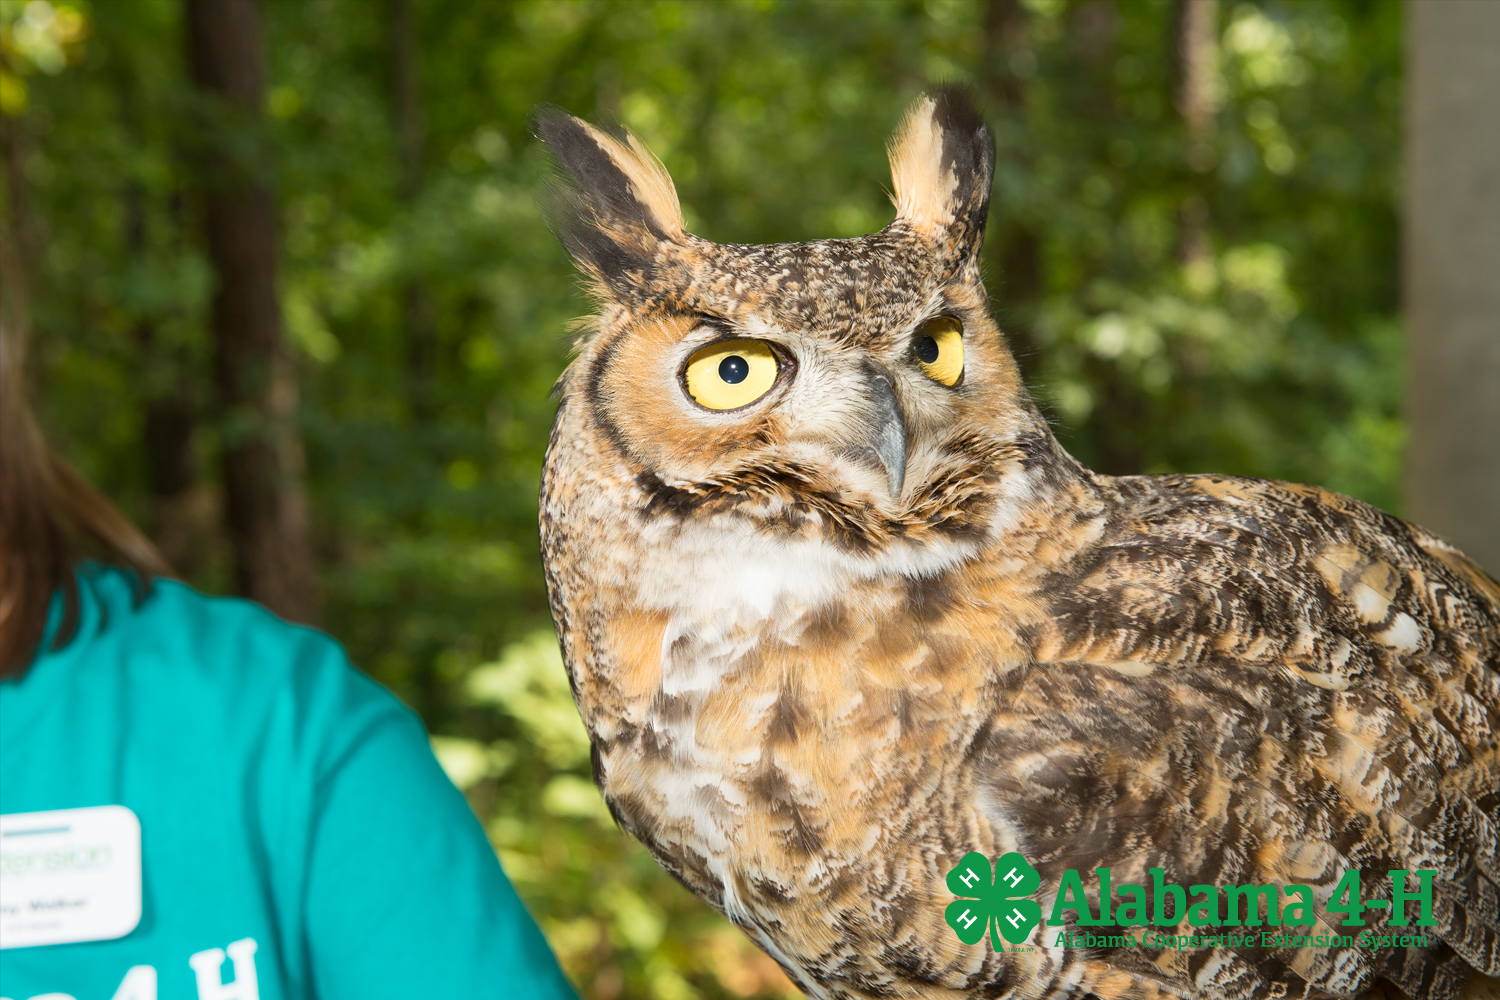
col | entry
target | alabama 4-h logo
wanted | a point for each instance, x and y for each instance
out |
(992, 904)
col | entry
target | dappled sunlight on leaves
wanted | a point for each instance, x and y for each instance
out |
(530, 685)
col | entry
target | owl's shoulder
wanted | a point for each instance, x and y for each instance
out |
(1196, 568)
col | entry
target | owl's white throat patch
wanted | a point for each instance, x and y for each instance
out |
(726, 584)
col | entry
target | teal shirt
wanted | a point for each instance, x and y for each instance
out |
(283, 797)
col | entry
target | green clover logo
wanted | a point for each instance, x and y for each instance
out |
(991, 906)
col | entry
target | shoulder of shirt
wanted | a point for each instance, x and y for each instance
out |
(230, 645)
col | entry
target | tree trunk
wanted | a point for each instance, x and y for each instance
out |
(1007, 63)
(181, 516)
(426, 693)
(17, 239)
(1452, 273)
(1196, 42)
(1005, 38)
(416, 302)
(254, 377)
(407, 95)
(177, 522)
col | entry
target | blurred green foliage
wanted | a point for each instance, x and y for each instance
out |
(429, 305)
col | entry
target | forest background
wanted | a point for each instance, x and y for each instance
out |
(293, 306)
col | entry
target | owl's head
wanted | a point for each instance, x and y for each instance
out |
(855, 389)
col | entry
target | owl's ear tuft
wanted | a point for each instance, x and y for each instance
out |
(942, 164)
(621, 204)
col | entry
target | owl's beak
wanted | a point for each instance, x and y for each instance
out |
(887, 430)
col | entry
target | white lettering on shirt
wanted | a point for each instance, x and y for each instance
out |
(207, 966)
(139, 984)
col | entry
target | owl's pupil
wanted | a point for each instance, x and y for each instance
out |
(734, 369)
(927, 350)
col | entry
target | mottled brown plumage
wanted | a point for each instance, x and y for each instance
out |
(828, 642)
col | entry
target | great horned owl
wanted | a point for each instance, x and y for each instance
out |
(838, 609)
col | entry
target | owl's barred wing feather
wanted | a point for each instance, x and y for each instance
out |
(1247, 682)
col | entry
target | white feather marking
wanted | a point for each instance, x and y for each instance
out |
(1404, 635)
(1369, 602)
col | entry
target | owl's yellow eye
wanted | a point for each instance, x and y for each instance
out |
(939, 347)
(731, 373)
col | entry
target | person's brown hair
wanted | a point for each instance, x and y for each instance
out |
(50, 520)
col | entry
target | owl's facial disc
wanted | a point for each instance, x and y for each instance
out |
(841, 404)
(730, 375)
(754, 410)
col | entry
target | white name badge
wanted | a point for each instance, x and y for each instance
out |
(69, 875)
